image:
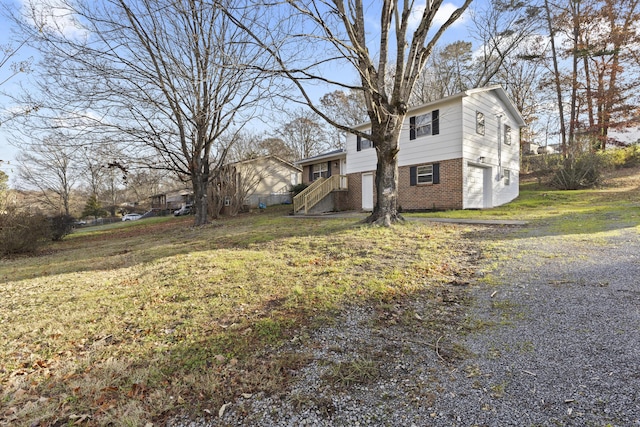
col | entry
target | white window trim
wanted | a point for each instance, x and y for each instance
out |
(426, 174)
(423, 128)
(319, 169)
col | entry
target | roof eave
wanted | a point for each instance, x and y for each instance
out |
(315, 159)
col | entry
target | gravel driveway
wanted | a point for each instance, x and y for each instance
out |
(550, 336)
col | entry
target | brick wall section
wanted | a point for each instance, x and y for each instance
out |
(446, 195)
(353, 200)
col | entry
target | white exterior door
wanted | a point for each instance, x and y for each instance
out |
(367, 191)
(478, 188)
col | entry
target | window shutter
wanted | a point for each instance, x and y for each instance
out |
(359, 143)
(435, 122)
(412, 127)
(436, 173)
(328, 169)
(310, 173)
(413, 175)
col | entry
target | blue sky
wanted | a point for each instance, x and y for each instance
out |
(8, 153)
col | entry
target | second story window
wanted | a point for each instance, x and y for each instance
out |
(479, 123)
(507, 134)
(424, 124)
(363, 144)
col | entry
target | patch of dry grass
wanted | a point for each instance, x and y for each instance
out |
(138, 322)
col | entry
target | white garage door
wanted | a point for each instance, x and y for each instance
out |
(477, 192)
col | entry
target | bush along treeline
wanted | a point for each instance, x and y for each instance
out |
(22, 233)
(580, 170)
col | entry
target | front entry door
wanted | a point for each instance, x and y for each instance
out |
(367, 191)
(478, 188)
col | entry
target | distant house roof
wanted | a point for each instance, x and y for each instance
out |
(329, 155)
(276, 158)
(174, 193)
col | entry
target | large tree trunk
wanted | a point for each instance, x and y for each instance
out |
(386, 140)
(200, 200)
(200, 182)
(556, 78)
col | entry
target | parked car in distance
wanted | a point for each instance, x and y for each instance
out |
(131, 217)
(185, 210)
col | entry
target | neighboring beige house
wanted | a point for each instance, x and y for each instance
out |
(172, 200)
(460, 152)
(258, 182)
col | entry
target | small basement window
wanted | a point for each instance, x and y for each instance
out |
(424, 174)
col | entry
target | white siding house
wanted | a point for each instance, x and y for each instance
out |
(460, 152)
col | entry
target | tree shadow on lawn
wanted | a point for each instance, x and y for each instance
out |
(121, 352)
(150, 372)
(126, 248)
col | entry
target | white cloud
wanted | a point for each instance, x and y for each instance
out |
(54, 15)
(443, 14)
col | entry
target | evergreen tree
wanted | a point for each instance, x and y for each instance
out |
(93, 208)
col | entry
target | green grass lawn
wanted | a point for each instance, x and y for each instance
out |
(136, 321)
(614, 206)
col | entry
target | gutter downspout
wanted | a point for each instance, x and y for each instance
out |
(499, 116)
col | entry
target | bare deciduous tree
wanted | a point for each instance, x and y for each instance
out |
(346, 107)
(277, 147)
(8, 53)
(501, 28)
(168, 77)
(50, 167)
(593, 63)
(334, 33)
(10, 67)
(610, 55)
(303, 134)
(448, 71)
